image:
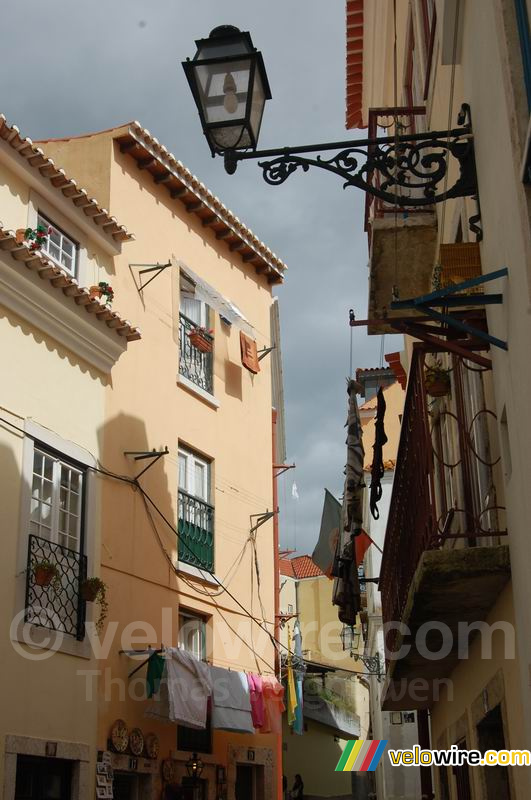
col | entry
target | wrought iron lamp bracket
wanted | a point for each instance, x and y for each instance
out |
(372, 664)
(409, 171)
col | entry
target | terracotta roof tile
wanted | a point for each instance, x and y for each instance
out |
(35, 157)
(62, 281)
(299, 567)
(354, 64)
(181, 183)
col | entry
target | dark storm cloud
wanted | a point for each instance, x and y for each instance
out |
(78, 67)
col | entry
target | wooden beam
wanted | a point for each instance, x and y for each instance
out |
(125, 147)
(178, 192)
(209, 219)
(163, 177)
(237, 246)
(451, 347)
(249, 256)
(195, 206)
(222, 234)
(144, 163)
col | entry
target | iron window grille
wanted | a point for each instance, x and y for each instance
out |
(57, 606)
(194, 365)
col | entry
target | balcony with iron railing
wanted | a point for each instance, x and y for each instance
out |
(57, 605)
(402, 237)
(443, 562)
(194, 364)
(196, 532)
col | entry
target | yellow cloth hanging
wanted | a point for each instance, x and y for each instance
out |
(291, 691)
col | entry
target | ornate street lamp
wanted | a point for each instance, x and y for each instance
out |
(194, 767)
(229, 83)
(230, 86)
(350, 638)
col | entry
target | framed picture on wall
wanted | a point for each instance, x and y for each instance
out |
(102, 780)
(101, 769)
(101, 792)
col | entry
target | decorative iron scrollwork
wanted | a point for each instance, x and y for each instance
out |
(411, 173)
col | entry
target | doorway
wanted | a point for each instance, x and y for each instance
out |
(249, 782)
(492, 737)
(43, 779)
(128, 786)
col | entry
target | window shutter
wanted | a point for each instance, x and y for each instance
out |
(249, 353)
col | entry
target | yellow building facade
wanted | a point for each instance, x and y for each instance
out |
(59, 353)
(177, 512)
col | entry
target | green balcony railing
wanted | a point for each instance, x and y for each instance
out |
(196, 532)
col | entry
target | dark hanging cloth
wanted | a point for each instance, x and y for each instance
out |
(346, 591)
(155, 669)
(377, 471)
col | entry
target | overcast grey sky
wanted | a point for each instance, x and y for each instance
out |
(77, 67)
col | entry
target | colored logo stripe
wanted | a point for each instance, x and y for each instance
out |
(361, 755)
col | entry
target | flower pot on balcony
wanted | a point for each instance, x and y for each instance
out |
(94, 590)
(201, 341)
(89, 591)
(438, 388)
(95, 292)
(44, 574)
(20, 235)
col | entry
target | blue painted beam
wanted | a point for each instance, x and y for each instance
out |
(463, 326)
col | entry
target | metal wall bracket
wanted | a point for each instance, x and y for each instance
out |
(140, 455)
(265, 352)
(261, 519)
(156, 268)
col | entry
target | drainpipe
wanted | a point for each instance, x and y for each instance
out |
(276, 588)
(423, 725)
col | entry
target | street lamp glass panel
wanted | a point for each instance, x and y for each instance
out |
(229, 84)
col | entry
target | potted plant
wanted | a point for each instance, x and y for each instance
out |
(437, 380)
(94, 590)
(35, 236)
(102, 289)
(45, 573)
(201, 339)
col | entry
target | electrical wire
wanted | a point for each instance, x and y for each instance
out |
(194, 587)
(136, 486)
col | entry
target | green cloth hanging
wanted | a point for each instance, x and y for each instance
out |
(155, 669)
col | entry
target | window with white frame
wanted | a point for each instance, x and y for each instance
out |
(56, 562)
(195, 513)
(56, 500)
(58, 246)
(192, 634)
(194, 475)
(193, 309)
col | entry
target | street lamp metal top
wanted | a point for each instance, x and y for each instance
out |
(229, 84)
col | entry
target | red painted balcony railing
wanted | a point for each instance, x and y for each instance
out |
(444, 487)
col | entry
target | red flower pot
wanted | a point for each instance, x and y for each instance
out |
(201, 342)
(44, 575)
(439, 387)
